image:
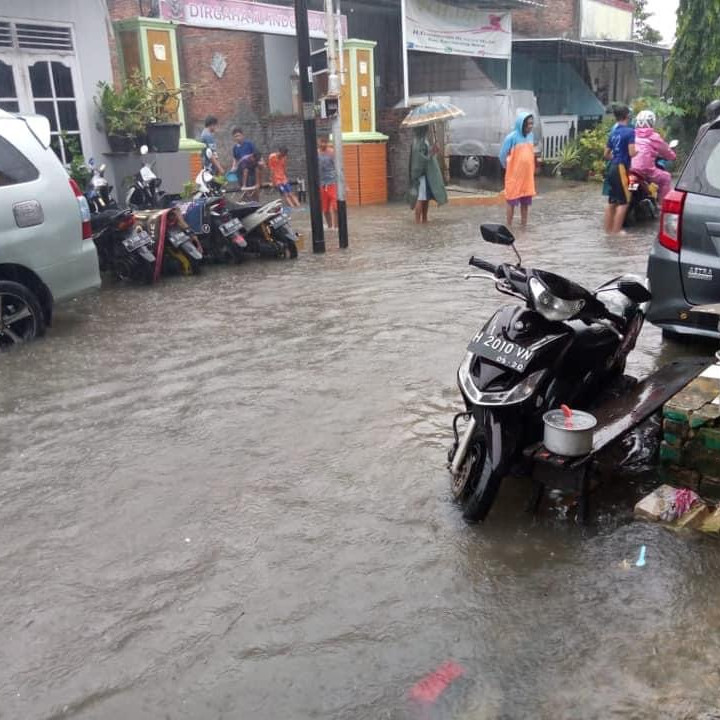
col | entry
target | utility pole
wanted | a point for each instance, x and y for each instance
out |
(334, 89)
(308, 113)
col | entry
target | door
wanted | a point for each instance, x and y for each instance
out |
(365, 90)
(161, 63)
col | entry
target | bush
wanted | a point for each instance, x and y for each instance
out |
(591, 148)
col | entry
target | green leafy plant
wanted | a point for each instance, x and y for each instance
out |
(163, 102)
(591, 148)
(568, 160)
(188, 190)
(123, 111)
(664, 109)
(77, 169)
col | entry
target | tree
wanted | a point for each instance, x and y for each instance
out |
(695, 59)
(641, 30)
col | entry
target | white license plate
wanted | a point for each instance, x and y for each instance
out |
(231, 227)
(501, 351)
(137, 240)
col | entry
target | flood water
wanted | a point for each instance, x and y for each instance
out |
(226, 497)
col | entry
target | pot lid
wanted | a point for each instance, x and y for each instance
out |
(579, 420)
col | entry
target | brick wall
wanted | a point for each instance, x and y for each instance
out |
(560, 18)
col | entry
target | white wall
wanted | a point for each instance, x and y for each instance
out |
(88, 19)
(605, 21)
(280, 59)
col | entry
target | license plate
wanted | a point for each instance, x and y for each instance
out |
(230, 227)
(501, 351)
(137, 240)
(633, 187)
(178, 238)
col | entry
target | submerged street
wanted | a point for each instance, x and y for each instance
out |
(226, 497)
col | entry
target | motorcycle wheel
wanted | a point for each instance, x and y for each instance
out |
(476, 485)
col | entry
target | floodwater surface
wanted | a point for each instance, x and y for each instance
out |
(226, 497)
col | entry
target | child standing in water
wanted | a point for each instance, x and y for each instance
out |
(517, 156)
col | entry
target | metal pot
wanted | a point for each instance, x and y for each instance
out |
(571, 436)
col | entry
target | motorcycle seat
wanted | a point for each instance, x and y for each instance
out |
(101, 220)
(241, 210)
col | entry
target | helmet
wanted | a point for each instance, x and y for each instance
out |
(645, 118)
(712, 110)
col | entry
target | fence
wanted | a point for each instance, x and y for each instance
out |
(557, 132)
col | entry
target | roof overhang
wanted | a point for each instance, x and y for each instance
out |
(566, 49)
(645, 49)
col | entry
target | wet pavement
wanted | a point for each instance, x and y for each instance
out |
(225, 497)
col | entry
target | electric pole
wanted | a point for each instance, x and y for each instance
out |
(308, 113)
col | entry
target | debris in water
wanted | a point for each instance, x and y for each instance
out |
(641, 558)
(432, 686)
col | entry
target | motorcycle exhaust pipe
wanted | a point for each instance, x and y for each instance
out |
(463, 446)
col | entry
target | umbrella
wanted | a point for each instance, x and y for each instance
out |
(430, 112)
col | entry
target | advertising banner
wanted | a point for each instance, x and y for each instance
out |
(436, 27)
(241, 15)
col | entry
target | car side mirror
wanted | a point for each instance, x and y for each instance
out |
(497, 234)
(634, 291)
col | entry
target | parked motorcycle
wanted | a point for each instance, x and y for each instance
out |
(265, 227)
(644, 203)
(220, 234)
(564, 345)
(145, 192)
(123, 248)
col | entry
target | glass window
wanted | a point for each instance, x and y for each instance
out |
(10, 106)
(47, 108)
(7, 81)
(68, 115)
(702, 171)
(15, 168)
(62, 80)
(40, 80)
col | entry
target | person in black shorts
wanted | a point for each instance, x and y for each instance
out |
(620, 148)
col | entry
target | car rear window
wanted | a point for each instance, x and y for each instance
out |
(15, 168)
(702, 171)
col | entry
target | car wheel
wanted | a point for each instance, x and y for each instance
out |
(21, 316)
(470, 166)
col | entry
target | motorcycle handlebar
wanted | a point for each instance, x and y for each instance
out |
(483, 265)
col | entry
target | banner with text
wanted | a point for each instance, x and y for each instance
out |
(241, 15)
(436, 27)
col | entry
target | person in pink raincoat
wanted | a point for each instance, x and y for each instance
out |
(650, 146)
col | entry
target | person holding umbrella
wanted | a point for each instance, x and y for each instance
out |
(425, 179)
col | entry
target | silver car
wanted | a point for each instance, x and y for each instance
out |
(47, 254)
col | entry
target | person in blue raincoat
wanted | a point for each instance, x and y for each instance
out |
(517, 156)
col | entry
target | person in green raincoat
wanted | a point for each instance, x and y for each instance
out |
(426, 180)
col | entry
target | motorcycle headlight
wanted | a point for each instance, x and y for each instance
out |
(550, 306)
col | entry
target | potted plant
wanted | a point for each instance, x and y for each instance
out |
(123, 112)
(163, 130)
(568, 163)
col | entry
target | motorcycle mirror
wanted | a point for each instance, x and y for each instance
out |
(635, 291)
(674, 143)
(144, 149)
(497, 234)
(101, 169)
(208, 153)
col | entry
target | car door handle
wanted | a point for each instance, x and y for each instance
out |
(28, 213)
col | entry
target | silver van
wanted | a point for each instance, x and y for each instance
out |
(489, 116)
(47, 253)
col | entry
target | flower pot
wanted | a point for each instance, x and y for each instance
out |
(164, 137)
(121, 143)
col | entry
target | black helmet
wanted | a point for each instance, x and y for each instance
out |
(712, 111)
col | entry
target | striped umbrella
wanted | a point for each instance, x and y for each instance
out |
(431, 112)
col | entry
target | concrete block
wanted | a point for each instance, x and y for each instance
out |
(694, 404)
(694, 518)
(709, 437)
(670, 453)
(674, 428)
(698, 457)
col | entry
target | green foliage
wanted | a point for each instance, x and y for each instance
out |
(188, 190)
(641, 30)
(568, 159)
(695, 60)
(123, 111)
(664, 110)
(77, 169)
(591, 148)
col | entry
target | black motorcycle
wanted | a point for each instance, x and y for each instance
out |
(564, 345)
(123, 247)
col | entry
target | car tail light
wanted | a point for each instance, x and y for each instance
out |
(670, 236)
(84, 210)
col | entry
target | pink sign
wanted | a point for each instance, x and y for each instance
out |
(242, 15)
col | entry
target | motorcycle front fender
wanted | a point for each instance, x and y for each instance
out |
(191, 251)
(502, 430)
(146, 254)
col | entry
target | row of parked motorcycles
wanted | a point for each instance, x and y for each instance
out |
(161, 234)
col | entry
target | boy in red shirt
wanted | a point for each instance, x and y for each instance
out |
(277, 164)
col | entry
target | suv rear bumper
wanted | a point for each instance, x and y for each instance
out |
(669, 308)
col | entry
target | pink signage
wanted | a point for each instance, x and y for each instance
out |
(242, 15)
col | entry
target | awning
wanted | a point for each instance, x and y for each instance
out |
(565, 49)
(645, 49)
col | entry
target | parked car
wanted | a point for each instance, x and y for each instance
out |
(47, 253)
(684, 263)
(489, 116)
